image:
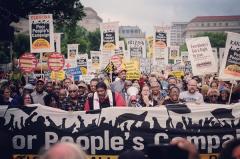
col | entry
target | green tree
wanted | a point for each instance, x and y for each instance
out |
(21, 44)
(217, 39)
(65, 12)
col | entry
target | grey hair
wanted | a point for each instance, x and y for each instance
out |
(77, 152)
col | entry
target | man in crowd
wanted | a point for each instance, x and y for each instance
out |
(39, 93)
(118, 86)
(156, 92)
(192, 95)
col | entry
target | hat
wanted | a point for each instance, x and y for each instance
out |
(82, 85)
(40, 80)
(28, 86)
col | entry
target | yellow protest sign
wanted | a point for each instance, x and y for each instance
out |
(177, 74)
(59, 75)
(133, 71)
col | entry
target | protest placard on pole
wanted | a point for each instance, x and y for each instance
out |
(174, 52)
(145, 65)
(201, 56)
(96, 59)
(27, 62)
(72, 51)
(133, 71)
(56, 61)
(230, 66)
(82, 63)
(109, 36)
(41, 33)
(136, 47)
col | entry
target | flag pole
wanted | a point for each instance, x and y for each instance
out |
(230, 95)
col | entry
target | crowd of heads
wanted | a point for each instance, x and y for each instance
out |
(154, 89)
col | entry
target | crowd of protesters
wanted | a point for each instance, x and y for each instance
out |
(151, 90)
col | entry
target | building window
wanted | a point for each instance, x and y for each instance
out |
(132, 31)
(123, 31)
(214, 24)
(202, 24)
(136, 31)
(226, 24)
(127, 31)
(208, 24)
(220, 24)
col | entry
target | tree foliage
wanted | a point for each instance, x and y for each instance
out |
(217, 39)
(65, 12)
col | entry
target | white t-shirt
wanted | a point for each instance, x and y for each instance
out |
(191, 98)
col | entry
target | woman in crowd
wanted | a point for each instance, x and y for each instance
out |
(145, 99)
(174, 92)
(212, 96)
(224, 96)
(27, 99)
(5, 98)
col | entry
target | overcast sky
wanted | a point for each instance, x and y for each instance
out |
(149, 13)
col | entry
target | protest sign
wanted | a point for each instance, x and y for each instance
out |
(57, 75)
(86, 78)
(96, 59)
(109, 36)
(174, 52)
(230, 66)
(161, 37)
(221, 54)
(41, 33)
(73, 71)
(105, 59)
(57, 42)
(56, 61)
(136, 47)
(133, 71)
(117, 61)
(184, 56)
(72, 51)
(145, 65)
(69, 63)
(111, 131)
(201, 56)
(149, 46)
(177, 74)
(82, 63)
(27, 62)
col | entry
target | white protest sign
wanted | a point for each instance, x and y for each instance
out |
(72, 51)
(136, 47)
(41, 33)
(57, 42)
(201, 56)
(230, 66)
(86, 78)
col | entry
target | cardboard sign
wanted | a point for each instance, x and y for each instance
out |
(201, 56)
(56, 61)
(133, 71)
(82, 62)
(230, 66)
(27, 62)
(41, 33)
(57, 75)
(109, 35)
(136, 47)
(72, 51)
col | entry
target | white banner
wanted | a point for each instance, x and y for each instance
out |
(201, 56)
(72, 51)
(136, 47)
(109, 36)
(230, 66)
(41, 33)
(145, 65)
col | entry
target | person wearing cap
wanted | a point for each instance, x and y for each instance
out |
(104, 98)
(118, 86)
(82, 93)
(28, 88)
(38, 94)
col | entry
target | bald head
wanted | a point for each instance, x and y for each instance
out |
(192, 86)
(64, 150)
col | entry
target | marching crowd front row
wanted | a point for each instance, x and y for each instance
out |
(151, 90)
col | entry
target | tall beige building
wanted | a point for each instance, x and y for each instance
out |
(203, 24)
(91, 21)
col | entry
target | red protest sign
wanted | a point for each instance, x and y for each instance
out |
(56, 61)
(28, 62)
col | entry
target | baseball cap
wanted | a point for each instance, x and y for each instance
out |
(40, 80)
(82, 85)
